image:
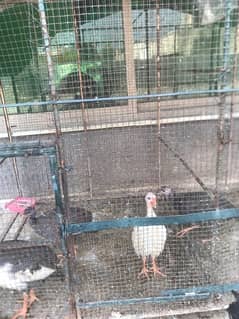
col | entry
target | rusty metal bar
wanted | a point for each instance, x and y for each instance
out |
(61, 158)
(210, 193)
(233, 101)
(158, 86)
(76, 17)
(221, 134)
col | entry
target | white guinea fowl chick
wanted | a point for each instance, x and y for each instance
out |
(149, 241)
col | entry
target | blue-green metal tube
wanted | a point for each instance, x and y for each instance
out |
(121, 98)
(170, 295)
(146, 221)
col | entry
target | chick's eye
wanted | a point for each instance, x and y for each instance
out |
(148, 198)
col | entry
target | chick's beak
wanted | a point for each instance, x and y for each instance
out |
(154, 202)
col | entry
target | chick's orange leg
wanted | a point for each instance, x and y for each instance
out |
(155, 269)
(32, 298)
(23, 311)
(144, 272)
(28, 300)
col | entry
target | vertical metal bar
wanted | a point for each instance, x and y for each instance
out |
(158, 87)
(76, 17)
(5, 114)
(217, 52)
(9, 134)
(147, 48)
(58, 199)
(76, 20)
(233, 99)
(222, 104)
(64, 238)
(129, 51)
(60, 153)
(36, 63)
(14, 87)
(175, 84)
(57, 123)
(77, 30)
(46, 39)
(214, 44)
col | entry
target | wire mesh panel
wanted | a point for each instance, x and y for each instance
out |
(109, 267)
(136, 96)
(91, 52)
(34, 177)
(196, 256)
(30, 238)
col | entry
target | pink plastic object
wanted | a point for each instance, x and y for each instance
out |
(19, 204)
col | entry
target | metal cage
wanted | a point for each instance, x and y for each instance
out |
(101, 103)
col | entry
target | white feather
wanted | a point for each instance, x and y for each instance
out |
(18, 280)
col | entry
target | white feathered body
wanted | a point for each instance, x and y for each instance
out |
(21, 265)
(18, 280)
(149, 240)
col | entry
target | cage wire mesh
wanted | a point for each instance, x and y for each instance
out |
(138, 96)
(29, 237)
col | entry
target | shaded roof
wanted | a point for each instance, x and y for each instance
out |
(109, 28)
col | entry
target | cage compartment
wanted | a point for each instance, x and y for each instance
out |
(107, 265)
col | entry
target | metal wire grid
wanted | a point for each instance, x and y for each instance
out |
(100, 39)
(125, 158)
(191, 57)
(31, 240)
(18, 51)
(108, 266)
(33, 177)
(101, 165)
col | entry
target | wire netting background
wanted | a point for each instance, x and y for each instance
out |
(191, 49)
(111, 148)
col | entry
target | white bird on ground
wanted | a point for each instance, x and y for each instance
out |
(149, 241)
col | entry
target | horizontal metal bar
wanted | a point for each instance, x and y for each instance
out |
(149, 221)
(222, 288)
(123, 302)
(201, 292)
(121, 98)
(26, 149)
